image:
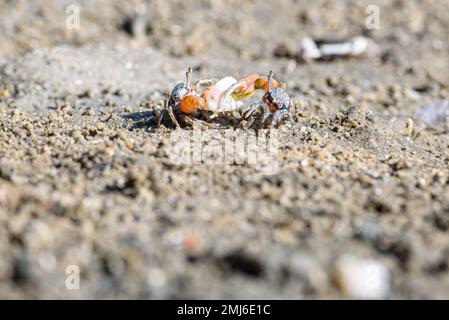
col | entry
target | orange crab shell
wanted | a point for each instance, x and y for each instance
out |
(189, 104)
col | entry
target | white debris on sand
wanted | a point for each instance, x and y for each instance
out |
(362, 278)
(328, 48)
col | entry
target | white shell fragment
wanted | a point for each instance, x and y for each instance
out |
(312, 49)
(362, 278)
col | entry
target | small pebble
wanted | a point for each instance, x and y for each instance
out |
(362, 278)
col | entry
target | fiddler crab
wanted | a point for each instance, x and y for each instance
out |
(228, 95)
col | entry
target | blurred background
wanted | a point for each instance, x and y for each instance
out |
(247, 29)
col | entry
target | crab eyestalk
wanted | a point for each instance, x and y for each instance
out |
(270, 77)
(188, 77)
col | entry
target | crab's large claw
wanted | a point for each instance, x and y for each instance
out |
(217, 97)
(245, 88)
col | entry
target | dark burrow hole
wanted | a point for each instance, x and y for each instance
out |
(244, 263)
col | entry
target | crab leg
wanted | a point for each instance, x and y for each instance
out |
(193, 121)
(172, 117)
(266, 114)
(250, 114)
(250, 122)
(167, 110)
(203, 82)
(276, 118)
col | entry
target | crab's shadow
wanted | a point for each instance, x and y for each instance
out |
(146, 120)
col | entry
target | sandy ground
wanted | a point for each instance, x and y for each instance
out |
(87, 179)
